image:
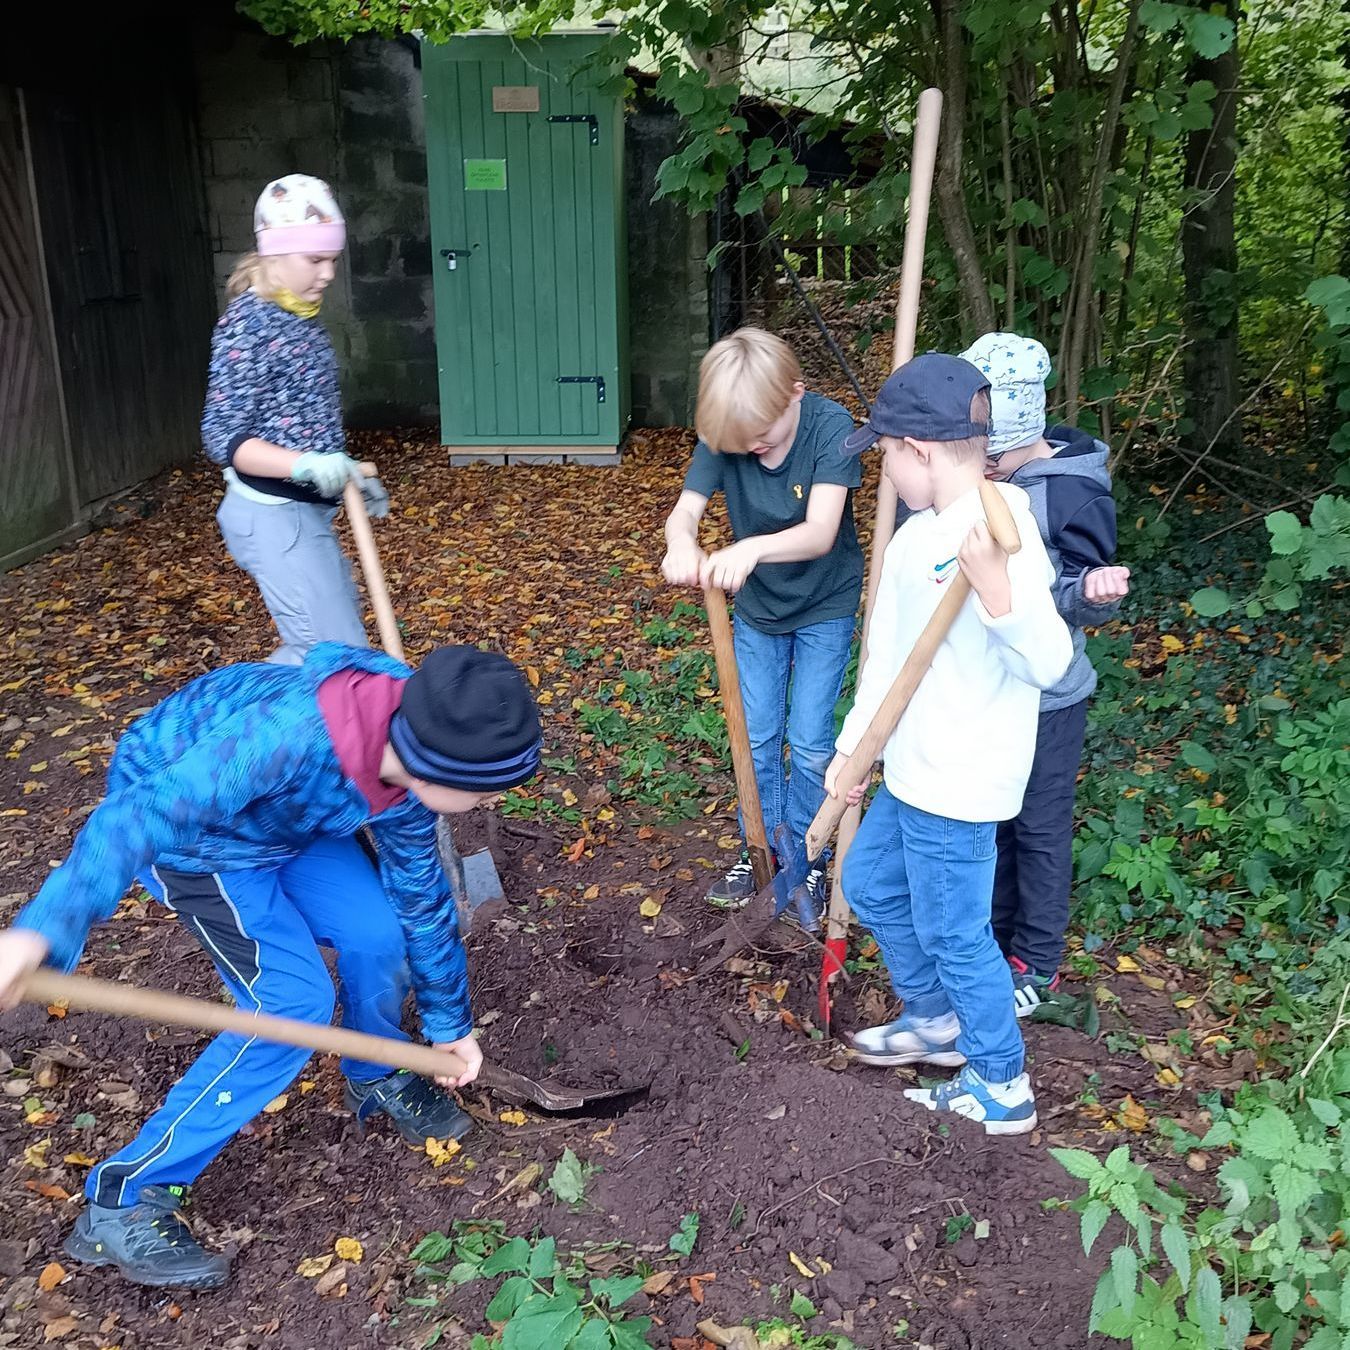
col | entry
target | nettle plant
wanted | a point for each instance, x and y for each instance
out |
(1271, 1259)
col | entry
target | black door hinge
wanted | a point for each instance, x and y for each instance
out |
(597, 380)
(590, 119)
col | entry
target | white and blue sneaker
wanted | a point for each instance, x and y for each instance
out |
(911, 1040)
(1002, 1108)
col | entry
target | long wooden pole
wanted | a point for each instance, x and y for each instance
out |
(177, 1010)
(733, 708)
(927, 124)
(371, 568)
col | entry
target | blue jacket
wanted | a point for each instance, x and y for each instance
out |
(236, 770)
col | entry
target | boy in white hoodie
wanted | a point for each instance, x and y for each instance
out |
(920, 873)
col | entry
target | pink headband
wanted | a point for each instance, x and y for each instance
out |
(312, 237)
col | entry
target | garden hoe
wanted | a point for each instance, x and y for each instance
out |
(152, 1005)
(763, 909)
(474, 880)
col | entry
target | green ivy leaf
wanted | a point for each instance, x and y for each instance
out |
(1125, 1276)
(433, 1248)
(617, 1289)
(1077, 1162)
(511, 1258)
(1210, 602)
(801, 1306)
(1095, 1215)
(544, 1323)
(683, 1241)
(569, 1179)
(1178, 1249)
(509, 1297)
(1206, 1299)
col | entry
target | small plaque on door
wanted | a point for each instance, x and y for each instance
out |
(515, 98)
(484, 175)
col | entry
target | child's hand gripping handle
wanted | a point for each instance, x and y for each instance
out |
(883, 725)
(153, 1005)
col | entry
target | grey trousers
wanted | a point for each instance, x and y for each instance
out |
(290, 550)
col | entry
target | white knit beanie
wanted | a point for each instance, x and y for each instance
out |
(298, 214)
(1016, 368)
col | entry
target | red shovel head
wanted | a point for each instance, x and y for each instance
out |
(831, 964)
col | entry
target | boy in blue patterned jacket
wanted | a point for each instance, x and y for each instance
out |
(236, 802)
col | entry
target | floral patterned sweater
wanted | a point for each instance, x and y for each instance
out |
(273, 375)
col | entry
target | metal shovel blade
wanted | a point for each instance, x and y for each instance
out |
(549, 1094)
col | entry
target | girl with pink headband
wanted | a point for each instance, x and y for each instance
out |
(273, 421)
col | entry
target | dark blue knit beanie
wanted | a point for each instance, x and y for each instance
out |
(467, 720)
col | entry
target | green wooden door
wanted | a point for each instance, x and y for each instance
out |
(524, 165)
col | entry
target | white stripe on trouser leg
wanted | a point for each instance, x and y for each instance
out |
(158, 1149)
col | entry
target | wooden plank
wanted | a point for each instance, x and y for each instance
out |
(525, 283)
(36, 507)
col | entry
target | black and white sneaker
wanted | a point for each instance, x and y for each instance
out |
(734, 890)
(1029, 989)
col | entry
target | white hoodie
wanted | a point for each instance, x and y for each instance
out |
(964, 746)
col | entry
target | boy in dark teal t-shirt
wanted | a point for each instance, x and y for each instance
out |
(773, 450)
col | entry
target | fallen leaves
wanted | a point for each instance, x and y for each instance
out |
(513, 1117)
(441, 1151)
(79, 1160)
(277, 1104)
(35, 1155)
(52, 1275)
(1132, 1116)
(649, 908)
(314, 1266)
(349, 1249)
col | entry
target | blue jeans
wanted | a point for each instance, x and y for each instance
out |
(813, 661)
(923, 885)
(263, 927)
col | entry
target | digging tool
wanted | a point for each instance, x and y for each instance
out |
(474, 880)
(761, 911)
(927, 124)
(153, 1005)
(733, 709)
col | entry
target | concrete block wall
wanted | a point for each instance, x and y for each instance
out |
(351, 115)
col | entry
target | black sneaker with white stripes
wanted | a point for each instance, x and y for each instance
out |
(735, 889)
(1029, 989)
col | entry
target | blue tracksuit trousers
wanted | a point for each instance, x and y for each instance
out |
(263, 928)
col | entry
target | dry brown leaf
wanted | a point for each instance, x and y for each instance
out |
(276, 1104)
(52, 1275)
(657, 1284)
(696, 1283)
(314, 1266)
(60, 1329)
(1127, 965)
(332, 1284)
(79, 1160)
(649, 908)
(1132, 1116)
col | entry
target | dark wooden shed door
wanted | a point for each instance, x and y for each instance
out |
(120, 197)
(35, 499)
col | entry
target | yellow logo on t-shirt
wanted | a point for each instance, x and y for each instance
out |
(797, 490)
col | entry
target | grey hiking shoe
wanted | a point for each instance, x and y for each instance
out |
(148, 1242)
(911, 1040)
(735, 889)
(418, 1108)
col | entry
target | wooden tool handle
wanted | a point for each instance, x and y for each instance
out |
(887, 718)
(369, 555)
(153, 1005)
(747, 786)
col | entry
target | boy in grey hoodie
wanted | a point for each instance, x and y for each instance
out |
(1063, 471)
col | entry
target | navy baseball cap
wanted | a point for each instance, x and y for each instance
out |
(928, 398)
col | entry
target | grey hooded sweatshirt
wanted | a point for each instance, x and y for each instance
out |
(1071, 500)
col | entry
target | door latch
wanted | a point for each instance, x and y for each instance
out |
(590, 119)
(597, 380)
(453, 255)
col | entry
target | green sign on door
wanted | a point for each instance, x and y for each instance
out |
(484, 175)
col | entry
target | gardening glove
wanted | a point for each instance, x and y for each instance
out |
(373, 492)
(327, 474)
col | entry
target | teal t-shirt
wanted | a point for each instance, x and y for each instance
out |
(782, 597)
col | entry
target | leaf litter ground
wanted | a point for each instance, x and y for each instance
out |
(808, 1174)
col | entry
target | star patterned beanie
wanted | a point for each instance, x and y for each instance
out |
(1016, 368)
(298, 214)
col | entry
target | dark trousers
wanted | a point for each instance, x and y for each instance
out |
(1035, 850)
